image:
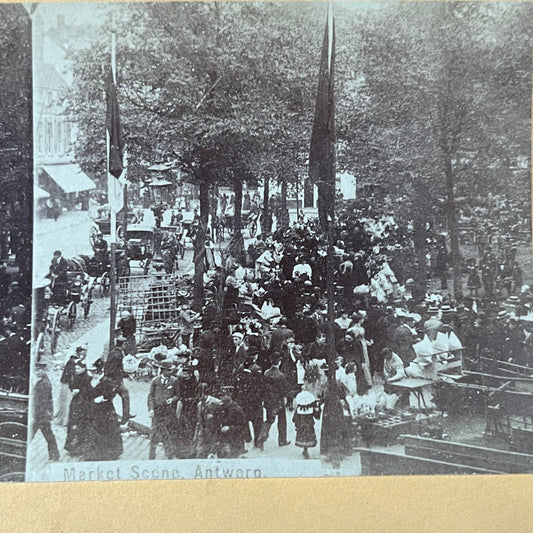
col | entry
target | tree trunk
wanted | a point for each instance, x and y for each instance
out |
(266, 220)
(199, 248)
(284, 219)
(420, 239)
(236, 245)
(451, 218)
(237, 220)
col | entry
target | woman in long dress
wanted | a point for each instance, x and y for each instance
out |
(103, 440)
(334, 435)
(76, 441)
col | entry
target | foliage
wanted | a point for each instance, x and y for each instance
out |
(433, 98)
(16, 134)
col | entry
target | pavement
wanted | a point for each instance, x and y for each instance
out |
(70, 234)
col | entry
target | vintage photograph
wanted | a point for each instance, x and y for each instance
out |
(16, 207)
(281, 239)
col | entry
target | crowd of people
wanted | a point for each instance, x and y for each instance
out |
(260, 349)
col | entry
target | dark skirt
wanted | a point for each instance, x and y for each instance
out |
(186, 427)
(305, 430)
(103, 441)
(77, 427)
(333, 435)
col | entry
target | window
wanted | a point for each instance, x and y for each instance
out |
(40, 138)
(48, 138)
(57, 138)
(68, 136)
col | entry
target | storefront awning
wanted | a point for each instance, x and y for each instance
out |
(70, 177)
(159, 183)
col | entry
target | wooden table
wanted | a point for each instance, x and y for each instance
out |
(414, 386)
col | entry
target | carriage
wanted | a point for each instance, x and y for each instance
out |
(139, 242)
(56, 309)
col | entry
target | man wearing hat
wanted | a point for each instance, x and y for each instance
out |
(58, 274)
(280, 335)
(432, 324)
(404, 338)
(114, 370)
(162, 400)
(187, 410)
(230, 426)
(514, 342)
(64, 398)
(43, 410)
(249, 392)
(276, 389)
(128, 326)
(241, 348)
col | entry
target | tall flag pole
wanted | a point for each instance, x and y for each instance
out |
(322, 173)
(322, 151)
(322, 162)
(115, 168)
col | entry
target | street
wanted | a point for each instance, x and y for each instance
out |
(70, 234)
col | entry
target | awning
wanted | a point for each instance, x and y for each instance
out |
(70, 177)
(159, 183)
(40, 194)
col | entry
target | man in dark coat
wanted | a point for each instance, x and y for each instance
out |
(206, 364)
(100, 249)
(305, 328)
(280, 335)
(187, 410)
(58, 274)
(514, 343)
(43, 410)
(317, 349)
(128, 326)
(276, 389)
(249, 391)
(162, 400)
(231, 429)
(114, 370)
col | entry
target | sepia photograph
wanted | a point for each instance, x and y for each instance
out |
(279, 239)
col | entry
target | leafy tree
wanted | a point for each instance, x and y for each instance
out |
(212, 95)
(16, 155)
(442, 103)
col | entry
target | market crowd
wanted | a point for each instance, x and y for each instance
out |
(257, 352)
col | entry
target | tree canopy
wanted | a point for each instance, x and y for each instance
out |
(433, 99)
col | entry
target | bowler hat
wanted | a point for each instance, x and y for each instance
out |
(165, 364)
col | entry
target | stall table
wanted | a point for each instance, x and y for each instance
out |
(414, 386)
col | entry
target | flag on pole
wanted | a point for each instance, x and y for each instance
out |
(114, 146)
(322, 152)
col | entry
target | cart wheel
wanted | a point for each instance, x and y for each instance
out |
(93, 232)
(54, 332)
(71, 315)
(253, 229)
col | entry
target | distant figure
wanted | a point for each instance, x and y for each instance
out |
(43, 410)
